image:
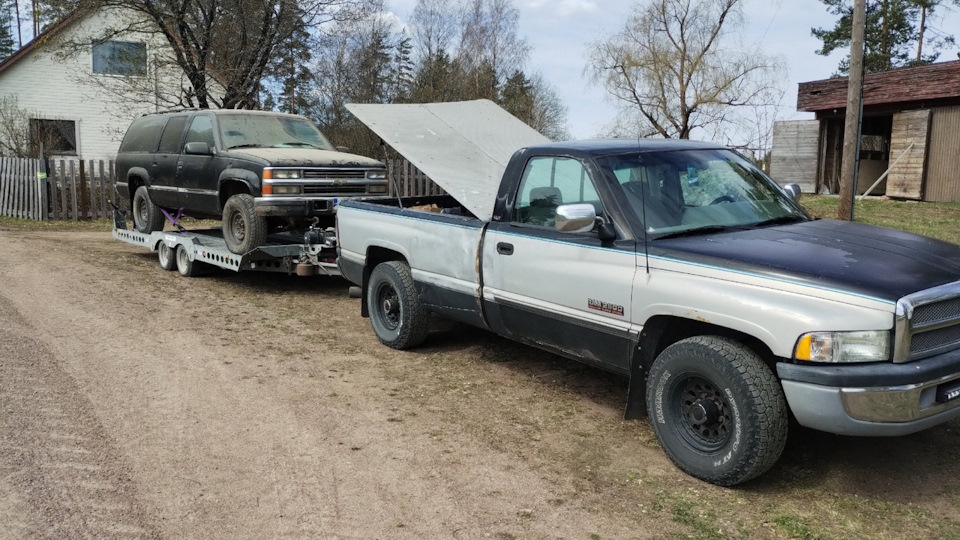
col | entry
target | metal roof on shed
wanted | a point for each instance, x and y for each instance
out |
(462, 146)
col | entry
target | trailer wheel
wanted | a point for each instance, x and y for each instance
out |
(243, 228)
(167, 256)
(717, 410)
(396, 314)
(147, 216)
(185, 266)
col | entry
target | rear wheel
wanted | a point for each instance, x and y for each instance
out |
(396, 314)
(185, 266)
(243, 228)
(167, 256)
(717, 409)
(147, 216)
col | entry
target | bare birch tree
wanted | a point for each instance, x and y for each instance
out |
(672, 72)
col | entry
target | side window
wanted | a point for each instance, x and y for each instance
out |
(143, 135)
(547, 183)
(201, 130)
(170, 140)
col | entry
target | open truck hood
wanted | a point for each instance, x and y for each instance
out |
(462, 146)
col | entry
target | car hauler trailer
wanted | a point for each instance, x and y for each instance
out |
(308, 253)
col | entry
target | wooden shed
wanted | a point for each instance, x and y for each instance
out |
(911, 126)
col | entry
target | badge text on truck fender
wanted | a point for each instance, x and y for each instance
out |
(605, 307)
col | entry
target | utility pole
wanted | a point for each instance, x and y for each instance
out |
(851, 127)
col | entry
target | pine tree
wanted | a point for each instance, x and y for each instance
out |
(7, 44)
(894, 30)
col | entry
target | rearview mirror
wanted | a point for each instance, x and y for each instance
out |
(575, 218)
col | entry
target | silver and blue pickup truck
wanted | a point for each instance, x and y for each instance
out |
(678, 264)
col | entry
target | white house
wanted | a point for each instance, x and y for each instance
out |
(80, 89)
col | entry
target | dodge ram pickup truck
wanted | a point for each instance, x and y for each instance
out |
(680, 265)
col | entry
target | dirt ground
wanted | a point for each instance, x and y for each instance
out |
(137, 403)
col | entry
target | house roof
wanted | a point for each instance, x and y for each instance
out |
(940, 81)
(43, 37)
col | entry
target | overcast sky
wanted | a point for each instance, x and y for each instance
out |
(558, 31)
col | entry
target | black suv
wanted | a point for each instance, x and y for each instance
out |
(255, 170)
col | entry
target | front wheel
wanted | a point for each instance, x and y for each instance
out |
(396, 314)
(717, 410)
(243, 229)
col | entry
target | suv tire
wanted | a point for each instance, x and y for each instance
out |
(147, 216)
(243, 229)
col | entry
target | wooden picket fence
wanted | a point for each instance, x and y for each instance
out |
(409, 180)
(81, 190)
(22, 189)
(70, 190)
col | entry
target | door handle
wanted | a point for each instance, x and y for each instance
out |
(504, 248)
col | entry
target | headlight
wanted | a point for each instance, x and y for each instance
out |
(285, 174)
(377, 174)
(844, 347)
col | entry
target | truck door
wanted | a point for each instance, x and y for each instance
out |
(163, 189)
(196, 176)
(569, 292)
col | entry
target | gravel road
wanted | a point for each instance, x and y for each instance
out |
(140, 404)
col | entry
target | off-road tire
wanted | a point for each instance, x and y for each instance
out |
(167, 256)
(147, 216)
(243, 228)
(717, 409)
(396, 314)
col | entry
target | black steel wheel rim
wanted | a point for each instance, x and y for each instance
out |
(238, 228)
(388, 306)
(702, 413)
(140, 213)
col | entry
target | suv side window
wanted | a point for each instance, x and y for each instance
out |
(201, 130)
(143, 135)
(170, 140)
(547, 183)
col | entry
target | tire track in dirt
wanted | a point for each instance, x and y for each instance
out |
(61, 475)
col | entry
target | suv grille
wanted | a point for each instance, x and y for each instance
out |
(333, 190)
(928, 323)
(348, 174)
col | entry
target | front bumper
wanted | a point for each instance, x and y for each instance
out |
(884, 399)
(295, 206)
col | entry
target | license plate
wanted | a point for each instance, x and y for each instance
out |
(948, 392)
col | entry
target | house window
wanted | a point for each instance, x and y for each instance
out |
(53, 137)
(120, 58)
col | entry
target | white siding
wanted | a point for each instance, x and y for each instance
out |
(49, 84)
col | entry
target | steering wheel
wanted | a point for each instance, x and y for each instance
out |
(722, 198)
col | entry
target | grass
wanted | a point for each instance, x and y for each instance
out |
(937, 220)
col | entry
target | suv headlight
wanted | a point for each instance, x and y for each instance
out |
(844, 347)
(377, 174)
(286, 174)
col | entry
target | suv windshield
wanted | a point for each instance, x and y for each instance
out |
(699, 191)
(249, 130)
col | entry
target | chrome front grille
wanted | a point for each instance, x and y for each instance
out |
(333, 190)
(928, 323)
(334, 174)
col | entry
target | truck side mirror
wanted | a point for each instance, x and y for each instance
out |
(575, 218)
(344, 149)
(197, 149)
(793, 190)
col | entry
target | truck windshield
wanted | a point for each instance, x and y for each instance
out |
(264, 130)
(686, 192)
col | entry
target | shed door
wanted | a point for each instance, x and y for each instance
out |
(796, 148)
(943, 156)
(906, 178)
